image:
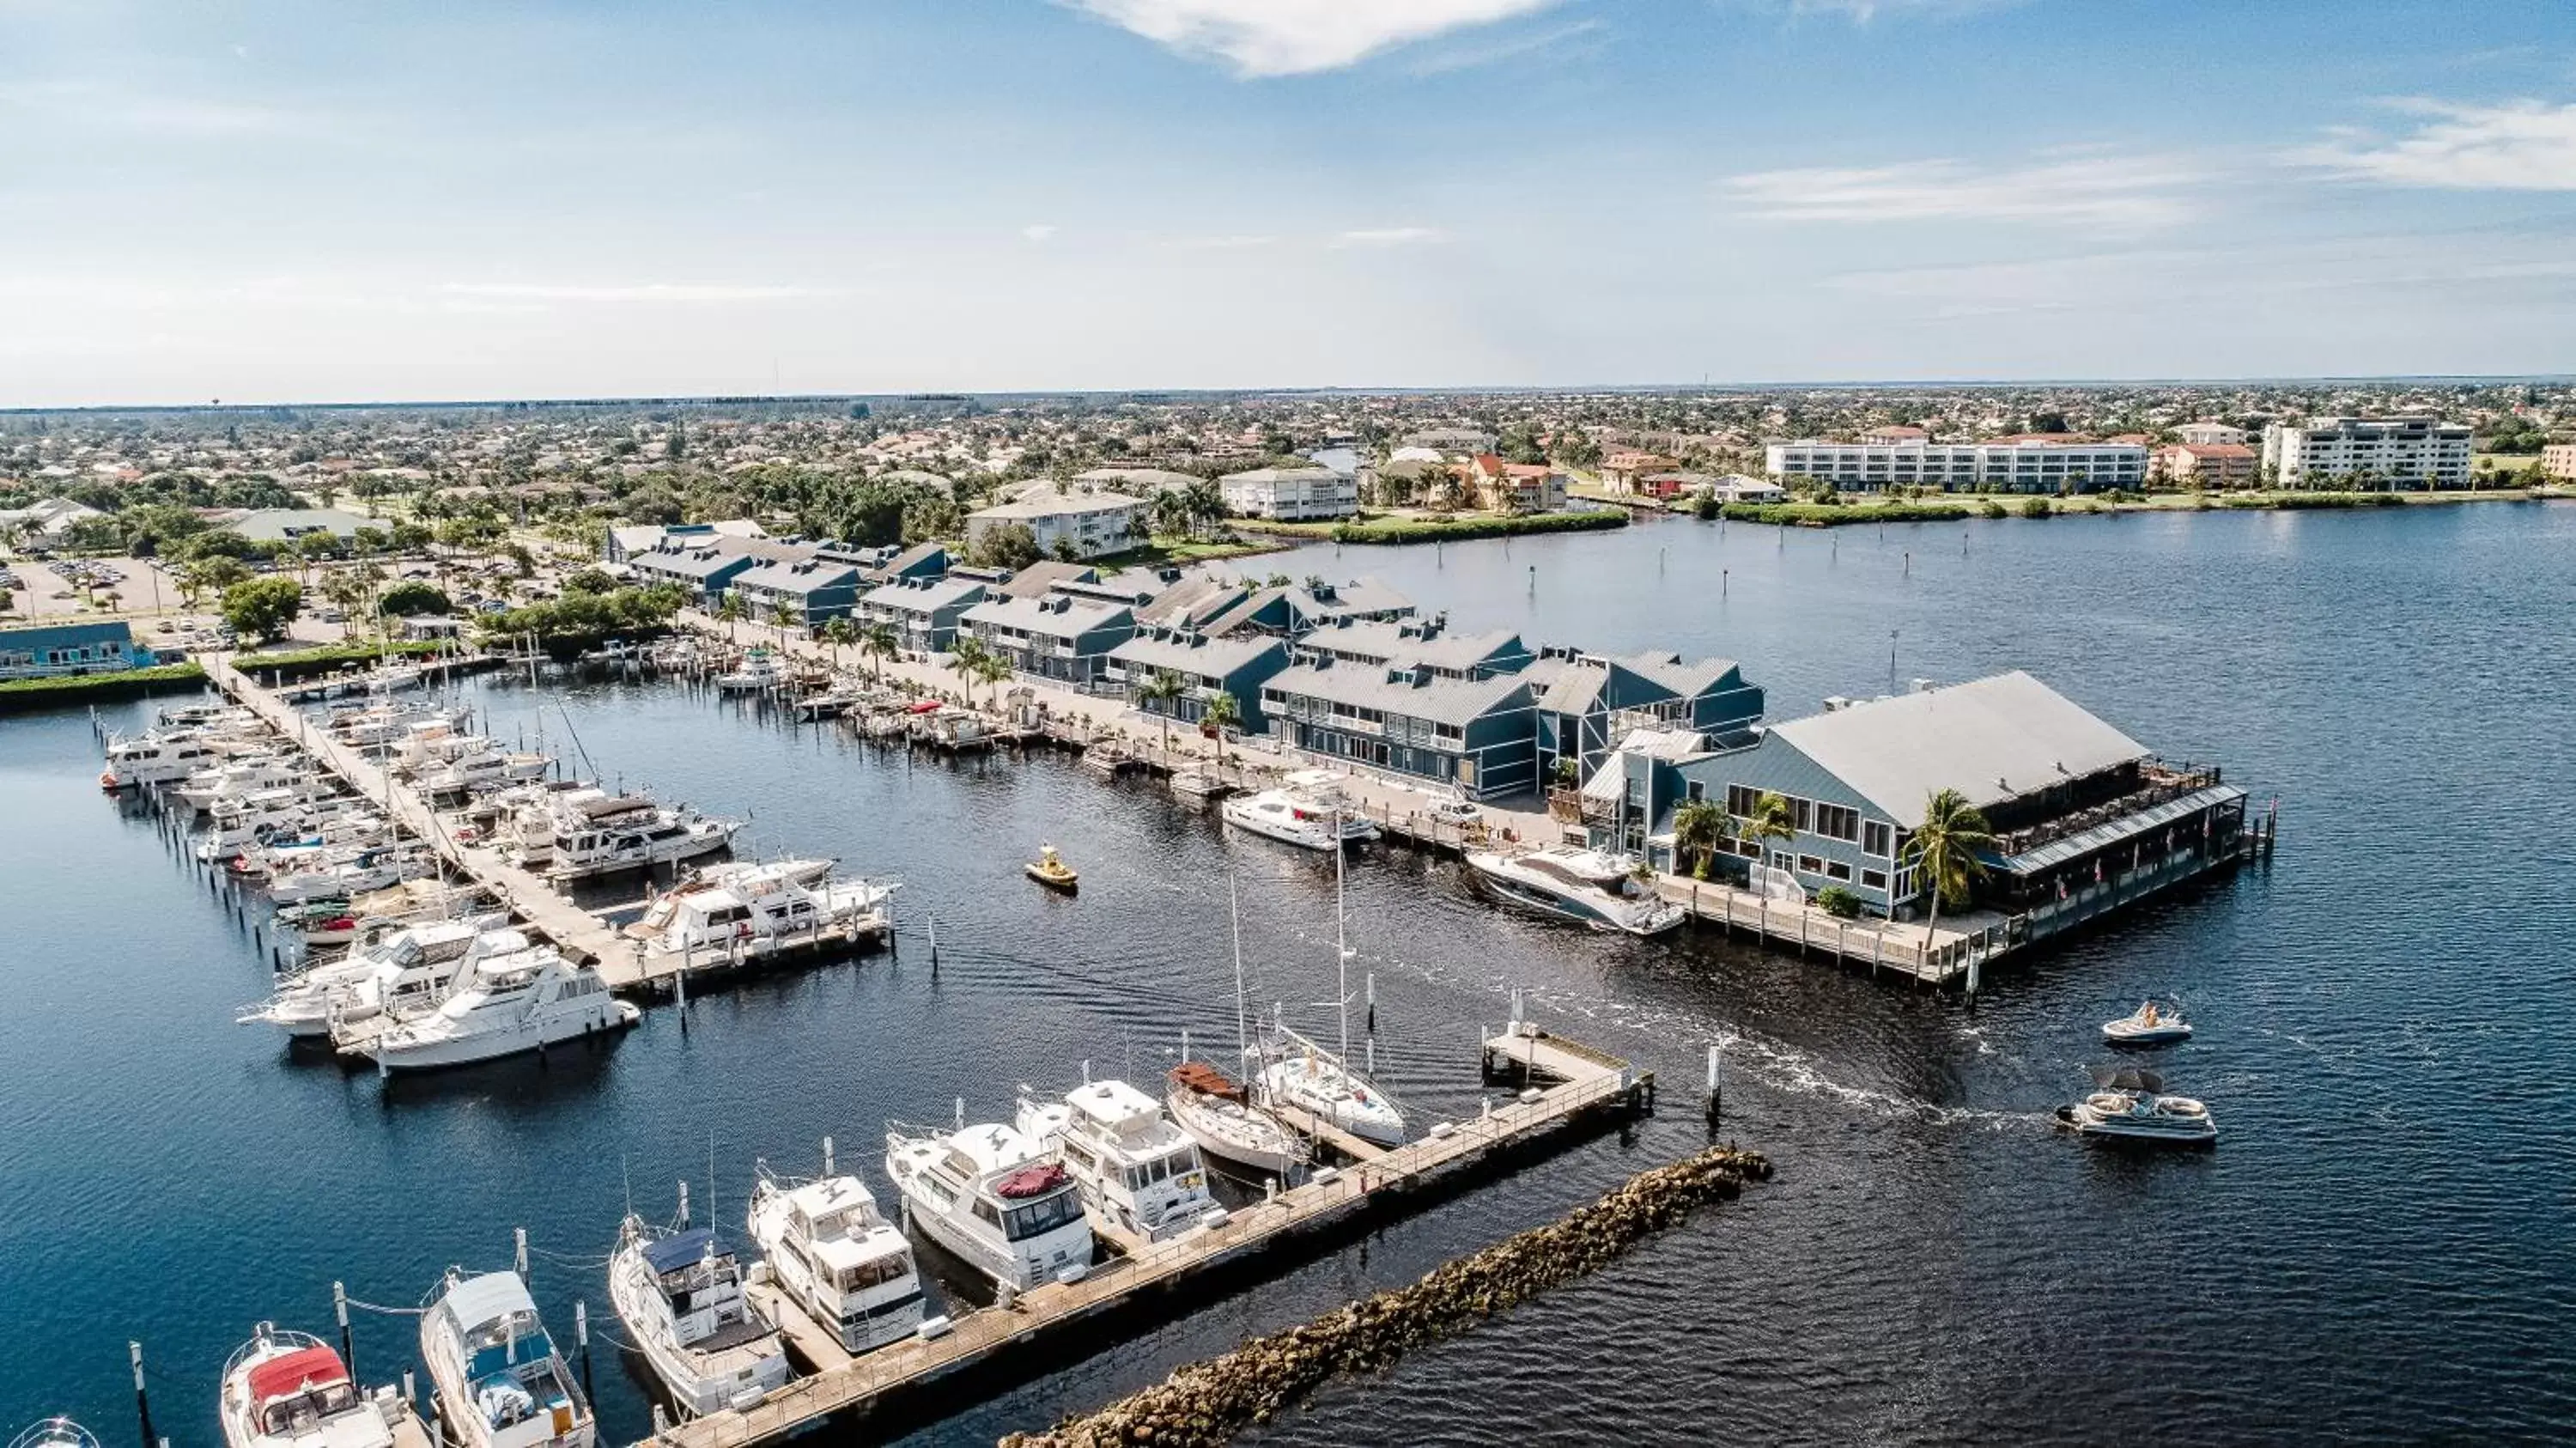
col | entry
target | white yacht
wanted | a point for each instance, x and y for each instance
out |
(404, 973)
(1220, 1115)
(832, 1254)
(1136, 1170)
(2130, 1104)
(1298, 1073)
(995, 1198)
(240, 777)
(363, 870)
(2149, 1025)
(746, 911)
(287, 1390)
(499, 1380)
(482, 770)
(1588, 887)
(1309, 810)
(759, 673)
(157, 759)
(680, 1296)
(523, 1001)
(604, 836)
(54, 1433)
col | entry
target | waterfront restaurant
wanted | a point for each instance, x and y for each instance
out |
(53, 650)
(2072, 801)
(1406, 719)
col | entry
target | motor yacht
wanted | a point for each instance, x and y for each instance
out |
(287, 1390)
(2129, 1104)
(2149, 1025)
(607, 835)
(1220, 1115)
(1309, 811)
(500, 1382)
(404, 973)
(364, 870)
(239, 777)
(1137, 1172)
(832, 1254)
(680, 1296)
(1588, 887)
(748, 911)
(54, 1433)
(525, 1000)
(483, 770)
(994, 1197)
(759, 674)
(157, 759)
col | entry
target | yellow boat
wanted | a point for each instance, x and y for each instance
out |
(1052, 872)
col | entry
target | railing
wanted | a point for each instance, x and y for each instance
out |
(2168, 783)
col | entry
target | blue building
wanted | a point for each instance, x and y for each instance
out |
(707, 566)
(1206, 667)
(1427, 642)
(2071, 799)
(924, 613)
(1053, 637)
(1587, 703)
(808, 591)
(53, 650)
(1406, 719)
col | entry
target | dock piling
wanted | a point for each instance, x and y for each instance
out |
(142, 1399)
(1716, 1088)
(340, 1310)
(581, 1339)
(519, 1252)
(827, 1156)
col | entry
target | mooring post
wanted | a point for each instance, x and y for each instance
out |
(581, 1339)
(340, 1310)
(1716, 1088)
(519, 1251)
(827, 1156)
(142, 1400)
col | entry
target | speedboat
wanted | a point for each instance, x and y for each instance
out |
(287, 1390)
(499, 1379)
(1306, 1076)
(1050, 870)
(1137, 1172)
(994, 1197)
(833, 1255)
(1585, 886)
(525, 1000)
(1220, 1116)
(2129, 1104)
(1298, 817)
(2146, 1026)
(680, 1296)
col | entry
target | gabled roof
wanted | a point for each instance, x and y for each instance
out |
(1388, 642)
(1190, 601)
(1042, 576)
(784, 576)
(1051, 617)
(1990, 739)
(924, 596)
(1440, 700)
(1199, 654)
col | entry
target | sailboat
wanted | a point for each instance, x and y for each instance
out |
(1219, 1112)
(1302, 1074)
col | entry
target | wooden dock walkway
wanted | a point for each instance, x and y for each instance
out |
(1585, 1082)
(577, 933)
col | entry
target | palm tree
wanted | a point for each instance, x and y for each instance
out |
(838, 632)
(1944, 848)
(1772, 819)
(992, 669)
(784, 615)
(732, 611)
(1699, 827)
(966, 659)
(1222, 713)
(1164, 689)
(878, 641)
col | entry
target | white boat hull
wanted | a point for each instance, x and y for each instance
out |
(418, 1052)
(682, 1373)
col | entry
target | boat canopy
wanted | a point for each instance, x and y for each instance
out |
(1031, 1181)
(682, 1249)
(1205, 1079)
(299, 1371)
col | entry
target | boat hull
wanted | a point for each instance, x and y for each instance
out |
(683, 1375)
(413, 1053)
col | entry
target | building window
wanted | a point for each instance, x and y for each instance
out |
(1873, 838)
(1697, 790)
(1837, 870)
(1873, 879)
(1837, 822)
(1811, 865)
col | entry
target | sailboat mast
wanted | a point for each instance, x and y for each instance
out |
(1341, 943)
(1234, 912)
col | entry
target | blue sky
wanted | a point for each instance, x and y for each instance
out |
(325, 200)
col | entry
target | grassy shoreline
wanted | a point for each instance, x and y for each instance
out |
(1959, 506)
(19, 695)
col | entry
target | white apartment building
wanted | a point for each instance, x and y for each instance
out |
(1291, 494)
(2341, 451)
(2016, 465)
(1096, 523)
(2206, 433)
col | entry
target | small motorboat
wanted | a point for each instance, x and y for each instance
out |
(1050, 870)
(2146, 1026)
(2129, 1104)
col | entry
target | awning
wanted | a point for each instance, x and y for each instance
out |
(2122, 830)
(683, 1249)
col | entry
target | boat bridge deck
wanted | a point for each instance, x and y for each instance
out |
(1586, 1082)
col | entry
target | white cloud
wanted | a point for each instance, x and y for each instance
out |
(1038, 232)
(2521, 146)
(1296, 37)
(684, 292)
(2128, 193)
(1391, 236)
(1468, 57)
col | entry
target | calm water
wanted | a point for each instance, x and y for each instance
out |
(2384, 1247)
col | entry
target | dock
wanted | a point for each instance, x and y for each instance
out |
(633, 967)
(1578, 1083)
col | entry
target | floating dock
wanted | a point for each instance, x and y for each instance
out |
(1578, 1083)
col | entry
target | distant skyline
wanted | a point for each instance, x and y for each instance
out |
(308, 201)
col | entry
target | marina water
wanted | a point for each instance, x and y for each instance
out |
(2383, 1245)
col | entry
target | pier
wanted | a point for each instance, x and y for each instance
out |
(1569, 1083)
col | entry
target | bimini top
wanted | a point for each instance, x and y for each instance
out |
(683, 1249)
(490, 1298)
(296, 1372)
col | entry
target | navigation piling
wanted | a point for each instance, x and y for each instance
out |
(340, 1310)
(519, 1252)
(581, 1339)
(1716, 1089)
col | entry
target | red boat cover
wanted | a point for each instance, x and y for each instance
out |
(1031, 1181)
(926, 706)
(293, 1373)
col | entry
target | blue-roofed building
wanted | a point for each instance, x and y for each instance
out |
(57, 650)
(707, 567)
(1586, 703)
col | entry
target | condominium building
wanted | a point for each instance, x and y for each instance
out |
(2208, 465)
(2558, 460)
(1087, 524)
(2342, 451)
(2040, 464)
(1291, 494)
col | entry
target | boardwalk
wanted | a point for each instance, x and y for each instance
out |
(1587, 1082)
